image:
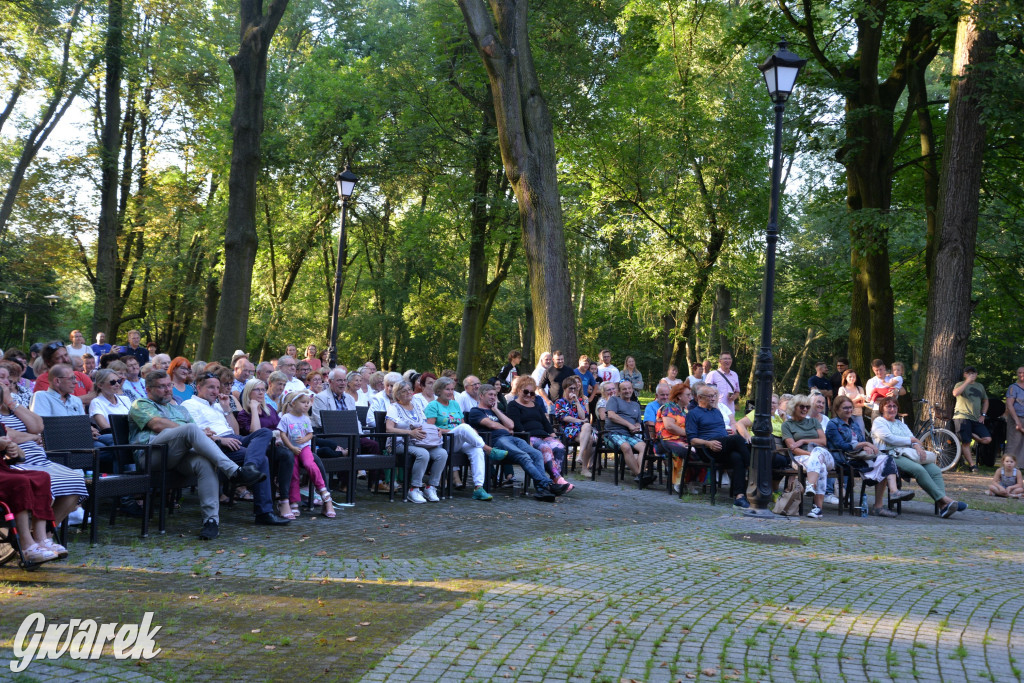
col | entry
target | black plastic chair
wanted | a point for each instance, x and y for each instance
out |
(69, 438)
(344, 424)
(165, 480)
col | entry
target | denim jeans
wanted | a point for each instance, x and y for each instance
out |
(526, 456)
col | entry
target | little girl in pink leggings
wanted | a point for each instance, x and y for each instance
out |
(297, 434)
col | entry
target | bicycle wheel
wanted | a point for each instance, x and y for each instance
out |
(946, 447)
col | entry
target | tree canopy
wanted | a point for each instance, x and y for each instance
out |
(660, 132)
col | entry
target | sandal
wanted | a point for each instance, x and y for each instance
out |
(295, 510)
(284, 509)
(328, 504)
(242, 493)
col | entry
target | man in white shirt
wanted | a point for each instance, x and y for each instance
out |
(546, 361)
(470, 398)
(725, 380)
(211, 411)
(366, 393)
(382, 401)
(288, 366)
(606, 372)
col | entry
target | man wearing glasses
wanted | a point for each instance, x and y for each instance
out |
(705, 426)
(288, 365)
(58, 398)
(157, 419)
(624, 431)
(470, 398)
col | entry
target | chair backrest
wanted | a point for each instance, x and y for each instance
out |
(340, 421)
(120, 429)
(363, 412)
(67, 432)
(380, 420)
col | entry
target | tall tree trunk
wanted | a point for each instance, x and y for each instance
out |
(526, 139)
(210, 304)
(105, 287)
(803, 361)
(249, 67)
(872, 141)
(723, 316)
(918, 99)
(948, 323)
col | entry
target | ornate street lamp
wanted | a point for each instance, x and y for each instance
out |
(346, 181)
(780, 72)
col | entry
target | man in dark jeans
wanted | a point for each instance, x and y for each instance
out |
(705, 426)
(487, 418)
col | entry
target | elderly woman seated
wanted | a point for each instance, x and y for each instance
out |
(403, 417)
(805, 439)
(256, 414)
(892, 436)
(846, 435)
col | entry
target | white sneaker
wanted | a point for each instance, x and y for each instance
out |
(416, 497)
(431, 493)
(55, 547)
(815, 513)
(37, 554)
(831, 500)
(809, 489)
(675, 488)
(77, 516)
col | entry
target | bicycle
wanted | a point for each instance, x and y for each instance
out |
(944, 443)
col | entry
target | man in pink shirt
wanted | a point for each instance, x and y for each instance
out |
(725, 380)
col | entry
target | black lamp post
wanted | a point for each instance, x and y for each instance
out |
(346, 181)
(780, 72)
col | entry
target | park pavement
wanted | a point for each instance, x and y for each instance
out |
(607, 584)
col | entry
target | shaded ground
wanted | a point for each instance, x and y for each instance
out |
(607, 583)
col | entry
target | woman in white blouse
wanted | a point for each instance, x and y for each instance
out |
(404, 417)
(111, 400)
(894, 437)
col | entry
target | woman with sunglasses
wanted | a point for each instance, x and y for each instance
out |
(110, 401)
(180, 371)
(531, 416)
(805, 439)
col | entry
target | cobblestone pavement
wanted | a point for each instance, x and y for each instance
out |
(607, 584)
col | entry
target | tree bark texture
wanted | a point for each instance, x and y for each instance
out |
(105, 286)
(525, 136)
(249, 67)
(948, 322)
(481, 294)
(872, 141)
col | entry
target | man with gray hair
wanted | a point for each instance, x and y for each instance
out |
(382, 400)
(288, 365)
(366, 392)
(469, 398)
(263, 371)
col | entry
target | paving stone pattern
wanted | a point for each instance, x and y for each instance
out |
(617, 584)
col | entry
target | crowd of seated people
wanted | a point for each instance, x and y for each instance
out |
(222, 425)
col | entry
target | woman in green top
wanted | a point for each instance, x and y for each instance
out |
(806, 440)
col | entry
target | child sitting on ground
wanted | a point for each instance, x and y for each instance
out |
(1007, 481)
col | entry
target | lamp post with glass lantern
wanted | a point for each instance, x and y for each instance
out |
(346, 181)
(780, 72)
